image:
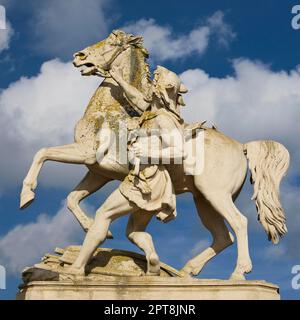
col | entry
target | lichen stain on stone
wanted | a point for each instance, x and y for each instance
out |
(109, 98)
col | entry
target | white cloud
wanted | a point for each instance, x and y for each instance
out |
(254, 103)
(26, 244)
(164, 45)
(274, 253)
(39, 112)
(198, 248)
(220, 28)
(61, 27)
(291, 201)
(5, 36)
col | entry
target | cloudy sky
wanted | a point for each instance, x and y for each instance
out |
(241, 64)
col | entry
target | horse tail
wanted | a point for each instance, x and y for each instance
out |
(268, 163)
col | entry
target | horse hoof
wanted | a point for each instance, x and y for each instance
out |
(26, 199)
(237, 277)
(191, 269)
(109, 235)
(185, 274)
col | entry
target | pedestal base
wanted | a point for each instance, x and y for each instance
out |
(149, 288)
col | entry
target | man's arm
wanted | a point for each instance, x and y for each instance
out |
(172, 140)
(172, 148)
(134, 96)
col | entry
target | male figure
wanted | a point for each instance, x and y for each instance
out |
(149, 191)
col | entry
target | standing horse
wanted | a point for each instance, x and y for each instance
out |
(214, 190)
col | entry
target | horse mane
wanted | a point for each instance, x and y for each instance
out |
(138, 43)
(143, 66)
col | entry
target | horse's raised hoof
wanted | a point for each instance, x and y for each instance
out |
(109, 235)
(26, 199)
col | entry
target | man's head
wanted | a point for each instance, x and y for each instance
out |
(169, 88)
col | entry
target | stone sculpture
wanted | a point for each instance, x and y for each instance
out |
(122, 60)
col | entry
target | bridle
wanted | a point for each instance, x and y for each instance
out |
(123, 48)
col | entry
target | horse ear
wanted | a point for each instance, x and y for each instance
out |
(135, 40)
(180, 100)
(183, 89)
(170, 86)
(118, 33)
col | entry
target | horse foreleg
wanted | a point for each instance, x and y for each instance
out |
(71, 153)
(222, 238)
(136, 227)
(88, 185)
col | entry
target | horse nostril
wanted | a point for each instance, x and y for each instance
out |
(80, 55)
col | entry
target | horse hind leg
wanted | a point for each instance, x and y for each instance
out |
(87, 186)
(223, 204)
(222, 238)
(135, 232)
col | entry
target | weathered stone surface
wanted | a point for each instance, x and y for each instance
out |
(106, 262)
(119, 274)
(149, 288)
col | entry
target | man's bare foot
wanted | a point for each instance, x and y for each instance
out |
(74, 271)
(153, 265)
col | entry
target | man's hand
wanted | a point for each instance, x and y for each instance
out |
(137, 149)
(140, 151)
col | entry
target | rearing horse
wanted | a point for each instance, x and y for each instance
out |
(214, 190)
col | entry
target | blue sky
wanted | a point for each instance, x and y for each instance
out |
(243, 74)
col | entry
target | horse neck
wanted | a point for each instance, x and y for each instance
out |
(138, 73)
(135, 71)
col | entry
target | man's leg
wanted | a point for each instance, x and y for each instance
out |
(136, 227)
(115, 206)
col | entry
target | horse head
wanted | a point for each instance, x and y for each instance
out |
(98, 58)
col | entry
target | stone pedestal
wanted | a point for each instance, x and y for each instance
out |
(121, 275)
(149, 288)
